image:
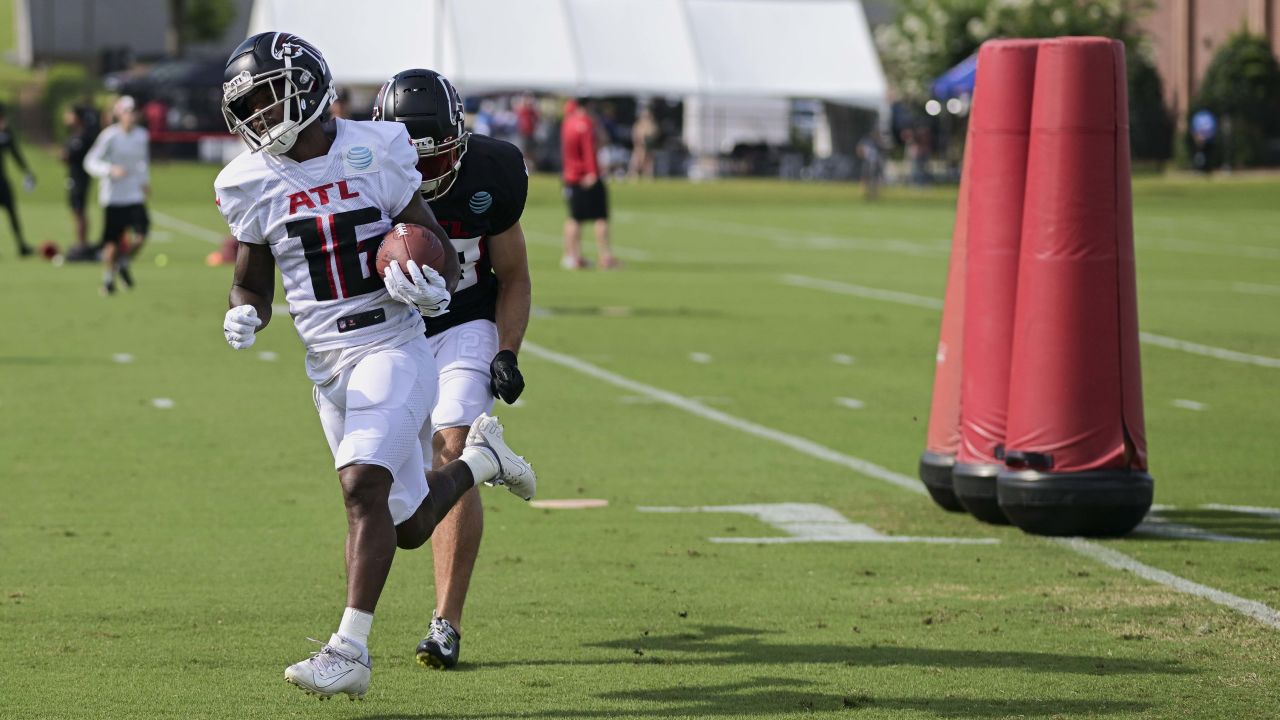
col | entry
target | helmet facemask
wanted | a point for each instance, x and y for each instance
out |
(439, 163)
(287, 86)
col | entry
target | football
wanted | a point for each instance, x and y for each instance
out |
(406, 242)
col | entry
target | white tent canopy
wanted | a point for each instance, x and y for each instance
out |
(818, 49)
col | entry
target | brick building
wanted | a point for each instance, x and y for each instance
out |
(1186, 34)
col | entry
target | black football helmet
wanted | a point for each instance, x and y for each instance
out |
(430, 107)
(297, 77)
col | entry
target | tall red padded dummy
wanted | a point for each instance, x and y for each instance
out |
(1075, 447)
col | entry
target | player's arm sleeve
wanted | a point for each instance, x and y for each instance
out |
(96, 161)
(515, 189)
(589, 153)
(17, 155)
(146, 159)
(401, 177)
(237, 209)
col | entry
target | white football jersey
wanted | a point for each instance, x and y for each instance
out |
(324, 219)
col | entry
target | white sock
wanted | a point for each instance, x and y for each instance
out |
(355, 626)
(482, 461)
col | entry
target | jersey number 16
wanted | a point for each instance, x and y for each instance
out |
(341, 264)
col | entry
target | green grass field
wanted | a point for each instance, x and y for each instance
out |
(168, 562)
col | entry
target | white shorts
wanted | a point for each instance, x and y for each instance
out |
(377, 411)
(463, 354)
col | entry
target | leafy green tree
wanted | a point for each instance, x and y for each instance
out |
(1116, 19)
(1150, 122)
(930, 36)
(927, 38)
(197, 21)
(1242, 88)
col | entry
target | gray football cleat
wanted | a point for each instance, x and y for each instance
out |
(514, 472)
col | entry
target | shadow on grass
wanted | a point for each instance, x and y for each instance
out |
(728, 645)
(772, 696)
(1225, 522)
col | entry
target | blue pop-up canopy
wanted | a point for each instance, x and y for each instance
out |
(958, 80)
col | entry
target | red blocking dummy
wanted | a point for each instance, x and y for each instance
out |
(998, 131)
(944, 415)
(1075, 449)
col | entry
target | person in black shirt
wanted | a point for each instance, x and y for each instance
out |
(82, 129)
(476, 186)
(9, 145)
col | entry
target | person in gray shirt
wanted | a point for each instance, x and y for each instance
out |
(120, 159)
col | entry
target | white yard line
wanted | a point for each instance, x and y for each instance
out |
(809, 523)
(1156, 525)
(1105, 555)
(188, 229)
(1266, 512)
(808, 447)
(788, 238)
(1255, 288)
(1253, 252)
(1262, 613)
(862, 291)
(923, 301)
(1208, 350)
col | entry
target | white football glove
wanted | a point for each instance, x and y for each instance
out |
(424, 288)
(240, 325)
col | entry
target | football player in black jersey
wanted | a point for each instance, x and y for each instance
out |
(476, 187)
(8, 145)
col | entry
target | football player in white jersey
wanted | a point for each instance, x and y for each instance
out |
(316, 204)
(476, 187)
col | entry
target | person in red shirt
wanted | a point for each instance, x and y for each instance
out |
(526, 130)
(583, 187)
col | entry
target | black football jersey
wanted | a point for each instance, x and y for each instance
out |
(487, 199)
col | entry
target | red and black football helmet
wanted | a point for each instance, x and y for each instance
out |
(430, 107)
(295, 75)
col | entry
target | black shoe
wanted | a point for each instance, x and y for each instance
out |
(125, 275)
(81, 253)
(25, 250)
(108, 288)
(439, 649)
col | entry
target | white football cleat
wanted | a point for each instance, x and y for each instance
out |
(514, 472)
(339, 667)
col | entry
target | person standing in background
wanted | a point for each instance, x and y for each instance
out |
(82, 128)
(120, 159)
(583, 187)
(7, 199)
(644, 140)
(526, 131)
(872, 157)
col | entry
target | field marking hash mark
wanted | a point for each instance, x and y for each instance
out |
(810, 523)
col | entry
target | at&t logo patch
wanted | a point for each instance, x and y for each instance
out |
(359, 158)
(480, 202)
